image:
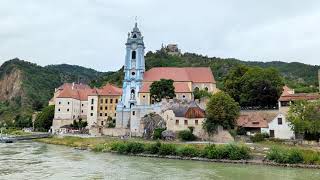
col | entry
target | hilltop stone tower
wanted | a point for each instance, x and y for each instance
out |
(134, 69)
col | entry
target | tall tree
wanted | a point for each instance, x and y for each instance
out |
(162, 89)
(254, 86)
(304, 117)
(44, 119)
(221, 110)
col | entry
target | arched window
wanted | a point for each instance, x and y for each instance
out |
(133, 55)
(134, 36)
(196, 89)
(206, 88)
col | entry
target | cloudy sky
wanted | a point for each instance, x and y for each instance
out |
(92, 33)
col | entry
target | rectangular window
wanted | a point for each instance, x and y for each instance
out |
(111, 101)
(196, 122)
(115, 114)
(279, 121)
(92, 101)
(100, 107)
(133, 113)
(100, 114)
(185, 122)
(177, 122)
(106, 101)
(105, 114)
(106, 108)
(102, 123)
(115, 108)
(101, 101)
(91, 107)
(81, 104)
(116, 100)
(91, 114)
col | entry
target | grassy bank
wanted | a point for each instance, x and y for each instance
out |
(14, 132)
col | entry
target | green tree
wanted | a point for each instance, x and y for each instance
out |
(162, 89)
(44, 119)
(198, 94)
(221, 110)
(304, 117)
(254, 86)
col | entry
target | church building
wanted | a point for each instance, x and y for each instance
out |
(136, 101)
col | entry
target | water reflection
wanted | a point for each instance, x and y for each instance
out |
(31, 160)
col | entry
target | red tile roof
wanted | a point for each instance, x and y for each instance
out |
(185, 74)
(252, 120)
(300, 96)
(179, 87)
(81, 91)
(287, 91)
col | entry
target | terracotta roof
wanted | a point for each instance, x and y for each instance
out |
(287, 91)
(185, 74)
(109, 90)
(300, 96)
(189, 110)
(75, 86)
(179, 87)
(252, 120)
(67, 92)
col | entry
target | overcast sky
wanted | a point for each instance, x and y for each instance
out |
(92, 33)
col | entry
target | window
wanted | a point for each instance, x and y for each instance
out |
(101, 101)
(92, 101)
(81, 111)
(144, 97)
(196, 122)
(116, 100)
(133, 73)
(183, 96)
(100, 107)
(111, 101)
(106, 108)
(102, 123)
(100, 114)
(68, 102)
(105, 114)
(196, 89)
(115, 108)
(106, 101)
(279, 121)
(134, 36)
(133, 55)
(81, 104)
(185, 122)
(177, 122)
(206, 88)
(133, 113)
(115, 114)
(91, 114)
(68, 110)
(91, 107)
(59, 102)
(59, 109)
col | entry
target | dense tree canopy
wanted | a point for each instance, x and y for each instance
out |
(44, 119)
(221, 110)
(304, 117)
(198, 94)
(162, 89)
(254, 86)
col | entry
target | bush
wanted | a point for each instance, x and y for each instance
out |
(167, 149)
(187, 151)
(99, 148)
(285, 156)
(152, 148)
(230, 151)
(135, 147)
(241, 131)
(186, 135)
(157, 133)
(311, 157)
(258, 137)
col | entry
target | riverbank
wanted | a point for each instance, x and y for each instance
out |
(233, 153)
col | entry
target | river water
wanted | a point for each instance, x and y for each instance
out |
(32, 160)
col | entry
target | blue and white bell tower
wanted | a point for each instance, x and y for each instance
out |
(134, 69)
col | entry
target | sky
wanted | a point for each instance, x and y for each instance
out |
(92, 33)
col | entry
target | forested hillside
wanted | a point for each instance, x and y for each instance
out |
(26, 87)
(301, 77)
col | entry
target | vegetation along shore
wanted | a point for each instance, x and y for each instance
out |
(276, 155)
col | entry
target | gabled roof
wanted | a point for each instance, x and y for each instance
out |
(256, 119)
(177, 74)
(107, 90)
(179, 87)
(189, 110)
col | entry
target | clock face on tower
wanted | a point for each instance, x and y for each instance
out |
(134, 46)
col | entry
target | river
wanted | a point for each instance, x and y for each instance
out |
(32, 160)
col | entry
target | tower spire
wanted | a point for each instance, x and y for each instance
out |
(136, 21)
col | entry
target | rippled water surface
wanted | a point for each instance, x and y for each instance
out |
(31, 160)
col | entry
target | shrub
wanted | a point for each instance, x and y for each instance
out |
(233, 133)
(230, 151)
(186, 135)
(167, 149)
(295, 156)
(135, 147)
(258, 137)
(241, 131)
(99, 148)
(311, 157)
(152, 148)
(205, 151)
(157, 133)
(188, 151)
(283, 156)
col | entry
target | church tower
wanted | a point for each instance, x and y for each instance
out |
(134, 69)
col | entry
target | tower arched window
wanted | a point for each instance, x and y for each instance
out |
(133, 55)
(134, 36)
